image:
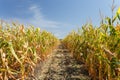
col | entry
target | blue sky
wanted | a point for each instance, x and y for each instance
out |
(56, 16)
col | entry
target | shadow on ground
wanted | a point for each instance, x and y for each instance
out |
(61, 66)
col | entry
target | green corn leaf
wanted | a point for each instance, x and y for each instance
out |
(13, 52)
(119, 17)
(109, 20)
(114, 19)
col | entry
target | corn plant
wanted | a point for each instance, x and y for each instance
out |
(98, 48)
(21, 48)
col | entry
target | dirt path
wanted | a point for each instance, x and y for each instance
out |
(61, 66)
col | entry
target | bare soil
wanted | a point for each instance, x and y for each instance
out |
(60, 65)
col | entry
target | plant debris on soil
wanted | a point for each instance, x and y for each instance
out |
(61, 66)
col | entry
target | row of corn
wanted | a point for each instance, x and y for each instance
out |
(21, 48)
(98, 48)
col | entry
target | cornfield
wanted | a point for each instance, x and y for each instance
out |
(98, 48)
(21, 48)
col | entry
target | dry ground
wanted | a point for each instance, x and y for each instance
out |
(61, 66)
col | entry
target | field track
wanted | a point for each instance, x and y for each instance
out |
(61, 66)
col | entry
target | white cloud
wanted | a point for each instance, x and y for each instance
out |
(36, 12)
(37, 19)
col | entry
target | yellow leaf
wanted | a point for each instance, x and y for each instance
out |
(118, 11)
